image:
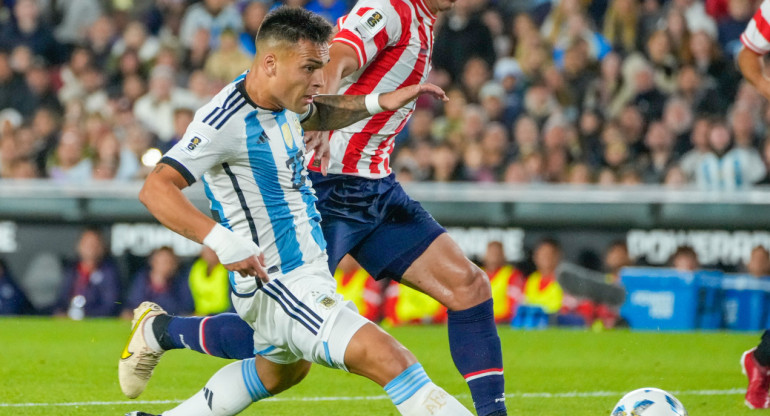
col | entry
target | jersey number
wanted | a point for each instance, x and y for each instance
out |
(298, 172)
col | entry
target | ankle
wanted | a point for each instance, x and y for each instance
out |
(160, 331)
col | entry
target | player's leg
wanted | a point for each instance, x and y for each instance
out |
(374, 354)
(444, 273)
(225, 335)
(410, 246)
(756, 366)
(154, 332)
(237, 385)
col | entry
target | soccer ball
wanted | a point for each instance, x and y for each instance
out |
(649, 401)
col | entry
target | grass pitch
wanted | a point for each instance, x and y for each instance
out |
(61, 367)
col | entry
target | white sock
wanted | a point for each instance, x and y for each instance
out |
(415, 395)
(149, 336)
(228, 392)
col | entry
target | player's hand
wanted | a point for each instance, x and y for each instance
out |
(237, 253)
(318, 142)
(396, 99)
(251, 266)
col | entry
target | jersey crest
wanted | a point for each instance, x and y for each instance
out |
(372, 22)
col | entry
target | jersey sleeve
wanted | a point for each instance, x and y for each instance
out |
(201, 148)
(756, 36)
(369, 28)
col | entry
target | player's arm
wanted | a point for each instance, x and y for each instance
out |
(332, 112)
(163, 197)
(750, 64)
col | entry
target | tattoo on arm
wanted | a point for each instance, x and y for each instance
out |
(188, 233)
(336, 111)
(158, 168)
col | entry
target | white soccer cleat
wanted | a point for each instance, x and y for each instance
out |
(137, 359)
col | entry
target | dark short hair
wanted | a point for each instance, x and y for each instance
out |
(292, 24)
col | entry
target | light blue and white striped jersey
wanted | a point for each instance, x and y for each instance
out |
(254, 171)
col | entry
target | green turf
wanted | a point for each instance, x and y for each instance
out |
(59, 361)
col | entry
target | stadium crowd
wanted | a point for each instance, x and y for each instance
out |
(570, 91)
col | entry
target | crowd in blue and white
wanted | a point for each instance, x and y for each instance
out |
(564, 91)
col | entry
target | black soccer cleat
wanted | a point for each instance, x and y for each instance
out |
(140, 414)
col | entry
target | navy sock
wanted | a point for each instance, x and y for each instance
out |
(478, 356)
(762, 353)
(225, 335)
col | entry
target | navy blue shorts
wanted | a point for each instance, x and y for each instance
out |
(375, 221)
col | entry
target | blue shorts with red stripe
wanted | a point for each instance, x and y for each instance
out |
(375, 221)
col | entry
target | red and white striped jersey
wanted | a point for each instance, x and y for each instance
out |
(757, 34)
(394, 43)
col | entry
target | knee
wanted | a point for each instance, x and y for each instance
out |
(378, 356)
(472, 288)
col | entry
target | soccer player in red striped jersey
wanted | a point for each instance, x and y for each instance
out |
(381, 45)
(756, 43)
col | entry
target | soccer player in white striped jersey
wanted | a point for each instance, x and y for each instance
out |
(381, 45)
(247, 145)
(756, 44)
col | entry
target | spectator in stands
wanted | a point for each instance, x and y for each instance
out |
(73, 18)
(616, 257)
(709, 61)
(135, 39)
(69, 162)
(702, 97)
(91, 284)
(507, 282)
(212, 15)
(679, 35)
(100, 40)
(253, 15)
(727, 168)
(71, 73)
(526, 136)
(541, 288)
(161, 282)
(41, 90)
(445, 164)
(29, 29)
(665, 65)
(227, 62)
(155, 110)
(621, 25)
(743, 126)
(678, 119)
(462, 36)
(209, 284)
(758, 264)
(684, 259)
(659, 157)
(602, 94)
(12, 298)
(14, 92)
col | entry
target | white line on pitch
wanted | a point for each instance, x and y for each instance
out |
(547, 395)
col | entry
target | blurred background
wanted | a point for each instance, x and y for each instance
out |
(582, 137)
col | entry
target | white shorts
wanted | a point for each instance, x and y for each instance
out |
(299, 315)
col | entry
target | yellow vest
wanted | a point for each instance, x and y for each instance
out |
(354, 289)
(549, 298)
(413, 305)
(500, 282)
(211, 293)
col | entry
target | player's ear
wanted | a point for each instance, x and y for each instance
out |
(270, 64)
